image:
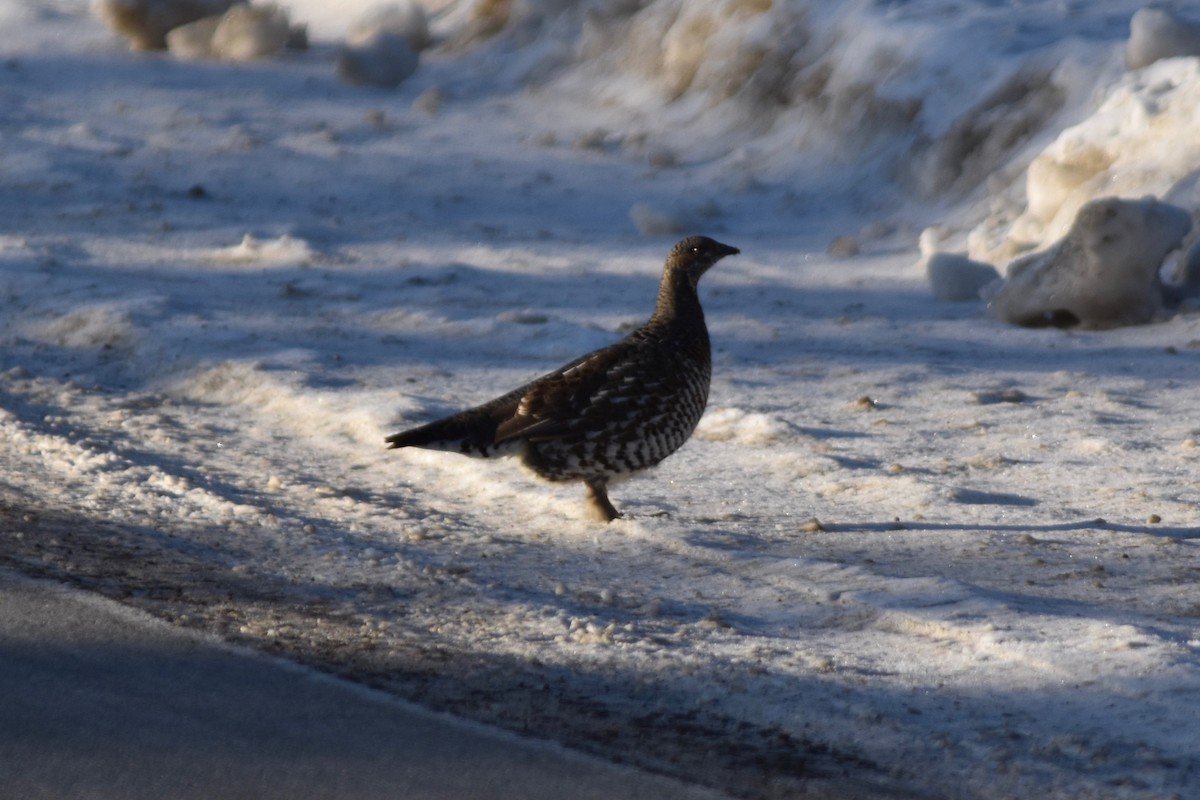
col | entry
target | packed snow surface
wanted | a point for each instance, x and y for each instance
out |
(910, 549)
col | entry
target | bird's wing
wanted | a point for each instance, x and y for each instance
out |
(565, 401)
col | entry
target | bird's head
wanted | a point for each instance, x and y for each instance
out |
(694, 255)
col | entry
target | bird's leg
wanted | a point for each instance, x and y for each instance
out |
(599, 507)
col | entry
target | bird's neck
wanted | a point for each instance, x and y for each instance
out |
(678, 302)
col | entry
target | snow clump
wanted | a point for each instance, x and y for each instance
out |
(243, 33)
(1103, 274)
(744, 427)
(385, 60)
(246, 33)
(382, 49)
(955, 278)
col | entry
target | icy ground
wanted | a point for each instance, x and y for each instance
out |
(911, 550)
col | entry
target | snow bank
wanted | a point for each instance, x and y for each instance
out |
(1140, 141)
(937, 94)
(939, 99)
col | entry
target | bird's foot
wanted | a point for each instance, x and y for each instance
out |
(599, 507)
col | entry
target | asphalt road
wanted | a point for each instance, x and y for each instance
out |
(100, 702)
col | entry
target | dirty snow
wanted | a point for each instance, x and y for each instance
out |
(910, 548)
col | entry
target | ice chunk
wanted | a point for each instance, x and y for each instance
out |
(1103, 274)
(1156, 33)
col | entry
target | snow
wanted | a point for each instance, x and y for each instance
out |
(1156, 33)
(385, 60)
(146, 23)
(1117, 151)
(910, 548)
(1103, 273)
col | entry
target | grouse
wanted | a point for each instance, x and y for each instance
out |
(607, 414)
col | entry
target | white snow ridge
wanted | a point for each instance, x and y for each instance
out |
(915, 548)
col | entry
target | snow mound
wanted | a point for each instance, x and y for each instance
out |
(1103, 274)
(1140, 141)
(742, 427)
(794, 88)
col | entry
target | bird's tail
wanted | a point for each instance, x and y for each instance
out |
(468, 432)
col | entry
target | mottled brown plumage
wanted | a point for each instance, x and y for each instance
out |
(609, 413)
